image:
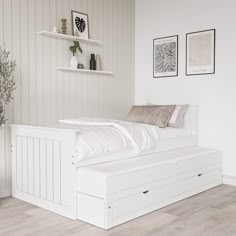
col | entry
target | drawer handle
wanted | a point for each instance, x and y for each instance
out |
(145, 192)
(199, 175)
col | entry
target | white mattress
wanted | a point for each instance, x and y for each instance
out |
(170, 139)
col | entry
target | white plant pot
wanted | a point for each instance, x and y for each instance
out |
(73, 62)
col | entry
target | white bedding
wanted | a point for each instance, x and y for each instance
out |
(101, 140)
(99, 137)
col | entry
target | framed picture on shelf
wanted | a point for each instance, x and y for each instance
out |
(165, 57)
(80, 24)
(200, 52)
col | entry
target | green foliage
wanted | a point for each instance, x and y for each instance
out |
(7, 82)
(74, 48)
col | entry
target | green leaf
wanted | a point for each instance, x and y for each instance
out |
(75, 47)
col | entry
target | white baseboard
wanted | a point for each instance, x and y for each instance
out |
(5, 192)
(229, 180)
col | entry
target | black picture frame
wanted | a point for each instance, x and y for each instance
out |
(84, 15)
(201, 70)
(165, 40)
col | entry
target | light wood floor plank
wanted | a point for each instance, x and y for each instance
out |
(211, 213)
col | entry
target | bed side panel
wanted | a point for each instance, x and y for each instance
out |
(43, 168)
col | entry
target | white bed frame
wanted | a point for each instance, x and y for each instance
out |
(44, 166)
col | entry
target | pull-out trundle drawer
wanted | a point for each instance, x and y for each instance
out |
(123, 194)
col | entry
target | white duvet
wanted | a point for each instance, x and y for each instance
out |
(104, 137)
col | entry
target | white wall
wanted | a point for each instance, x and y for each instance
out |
(214, 93)
(45, 95)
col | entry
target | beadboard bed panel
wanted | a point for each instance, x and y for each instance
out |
(43, 168)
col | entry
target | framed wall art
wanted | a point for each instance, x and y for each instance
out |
(80, 24)
(165, 57)
(200, 52)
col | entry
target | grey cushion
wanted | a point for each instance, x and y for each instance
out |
(154, 115)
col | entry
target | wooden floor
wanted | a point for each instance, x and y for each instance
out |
(210, 213)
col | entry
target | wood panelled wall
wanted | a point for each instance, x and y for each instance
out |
(44, 95)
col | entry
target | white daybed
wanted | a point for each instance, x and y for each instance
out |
(46, 172)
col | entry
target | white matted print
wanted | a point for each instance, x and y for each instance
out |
(80, 24)
(200, 52)
(165, 57)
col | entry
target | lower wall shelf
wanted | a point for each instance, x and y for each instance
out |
(68, 69)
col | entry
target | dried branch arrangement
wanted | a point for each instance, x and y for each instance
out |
(7, 83)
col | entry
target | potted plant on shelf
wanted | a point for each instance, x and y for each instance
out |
(73, 49)
(7, 83)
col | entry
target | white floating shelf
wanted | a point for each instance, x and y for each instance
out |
(67, 37)
(68, 69)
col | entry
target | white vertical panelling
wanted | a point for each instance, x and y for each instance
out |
(132, 54)
(45, 95)
(39, 167)
(53, 63)
(24, 159)
(50, 170)
(85, 61)
(57, 172)
(92, 80)
(100, 36)
(43, 168)
(46, 64)
(73, 78)
(31, 165)
(32, 62)
(36, 167)
(59, 61)
(66, 55)
(24, 60)
(19, 163)
(39, 63)
(16, 51)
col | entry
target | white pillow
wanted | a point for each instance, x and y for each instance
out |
(177, 119)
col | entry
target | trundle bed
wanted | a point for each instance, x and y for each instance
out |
(47, 172)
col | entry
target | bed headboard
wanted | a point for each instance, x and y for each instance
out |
(191, 119)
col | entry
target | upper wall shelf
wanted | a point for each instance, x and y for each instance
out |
(67, 37)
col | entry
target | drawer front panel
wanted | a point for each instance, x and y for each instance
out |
(148, 197)
(133, 179)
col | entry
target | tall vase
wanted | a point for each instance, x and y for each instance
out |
(98, 62)
(73, 62)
